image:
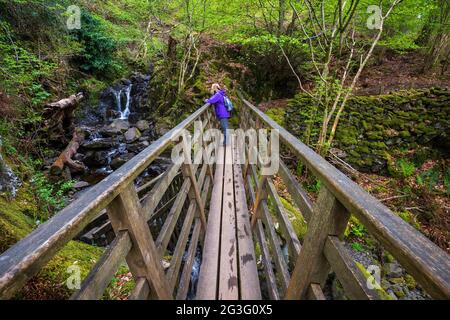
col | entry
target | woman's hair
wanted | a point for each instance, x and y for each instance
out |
(215, 87)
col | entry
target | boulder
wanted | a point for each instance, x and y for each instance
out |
(142, 125)
(119, 124)
(138, 146)
(101, 158)
(81, 185)
(132, 135)
(103, 143)
(109, 131)
(121, 160)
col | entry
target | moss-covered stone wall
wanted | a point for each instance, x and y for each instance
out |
(373, 128)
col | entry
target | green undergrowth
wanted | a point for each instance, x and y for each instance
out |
(277, 115)
(16, 222)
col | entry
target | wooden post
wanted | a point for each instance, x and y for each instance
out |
(194, 191)
(260, 196)
(329, 218)
(206, 156)
(143, 259)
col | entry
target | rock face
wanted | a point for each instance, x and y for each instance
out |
(132, 135)
(143, 125)
(373, 126)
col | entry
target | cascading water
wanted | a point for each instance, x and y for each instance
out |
(124, 91)
(9, 182)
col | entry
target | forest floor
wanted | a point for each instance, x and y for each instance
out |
(429, 212)
(394, 71)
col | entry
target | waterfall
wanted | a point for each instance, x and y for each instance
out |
(9, 182)
(126, 112)
(126, 91)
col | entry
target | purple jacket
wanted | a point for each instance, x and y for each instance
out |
(219, 105)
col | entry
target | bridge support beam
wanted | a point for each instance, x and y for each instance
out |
(329, 218)
(125, 213)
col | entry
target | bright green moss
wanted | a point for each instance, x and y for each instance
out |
(296, 218)
(381, 292)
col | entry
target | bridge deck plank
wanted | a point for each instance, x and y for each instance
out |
(207, 282)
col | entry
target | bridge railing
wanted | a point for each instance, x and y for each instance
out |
(130, 216)
(303, 271)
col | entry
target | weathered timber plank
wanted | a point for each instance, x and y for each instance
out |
(298, 194)
(228, 273)
(278, 256)
(28, 256)
(177, 257)
(195, 191)
(248, 272)
(149, 183)
(141, 291)
(209, 270)
(285, 224)
(166, 232)
(351, 278)
(267, 261)
(425, 261)
(329, 218)
(98, 279)
(315, 292)
(185, 278)
(152, 200)
(266, 258)
(143, 259)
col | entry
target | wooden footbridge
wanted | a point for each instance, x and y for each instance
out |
(233, 214)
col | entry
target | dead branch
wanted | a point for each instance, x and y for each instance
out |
(65, 158)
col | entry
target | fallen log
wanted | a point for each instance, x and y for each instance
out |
(62, 104)
(65, 158)
(60, 116)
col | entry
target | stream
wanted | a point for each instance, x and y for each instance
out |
(116, 130)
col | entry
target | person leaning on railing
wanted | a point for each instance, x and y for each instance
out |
(222, 114)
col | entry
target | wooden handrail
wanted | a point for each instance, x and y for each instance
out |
(29, 255)
(426, 262)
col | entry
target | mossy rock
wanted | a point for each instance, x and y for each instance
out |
(380, 291)
(16, 218)
(16, 222)
(410, 282)
(397, 280)
(296, 218)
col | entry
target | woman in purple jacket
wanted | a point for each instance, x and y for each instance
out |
(221, 111)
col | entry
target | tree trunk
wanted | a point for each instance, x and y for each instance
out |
(60, 116)
(281, 16)
(65, 158)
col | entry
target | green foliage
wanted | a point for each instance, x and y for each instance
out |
(430, 178)
(313, 186)
(447, 180)
(402, 168)
(358, 230)
(20, 68)
(357, 247)
(406, 168)
(98, 46)
(410, 218)
(276, 114)
(51, 196)
(355, 228)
